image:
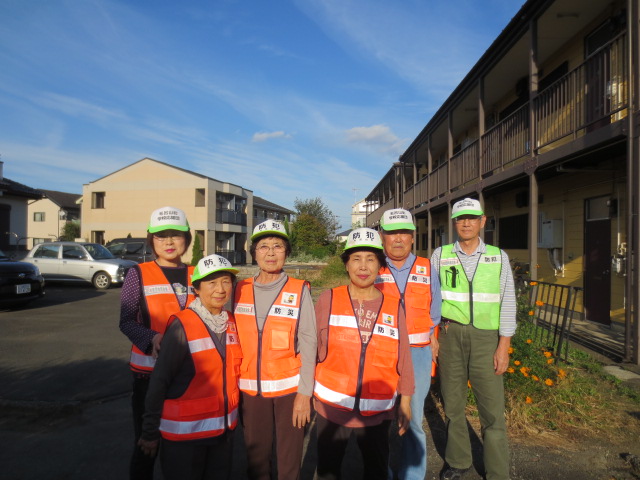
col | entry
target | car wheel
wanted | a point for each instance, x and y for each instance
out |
(101, 280)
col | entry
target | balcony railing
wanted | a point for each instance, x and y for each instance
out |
(230, 216)
(589, 97)
(465, 165)
(592, 95)
(507, 141)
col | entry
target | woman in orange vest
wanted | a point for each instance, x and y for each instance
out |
(151, 293)
(364, 363)
(277, 329)
(193, 398)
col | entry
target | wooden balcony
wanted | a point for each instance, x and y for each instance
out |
(591, 96)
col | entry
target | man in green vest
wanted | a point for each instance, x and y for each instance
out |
(478, 321)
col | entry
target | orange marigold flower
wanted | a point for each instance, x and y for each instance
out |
(548, 381)
(528, 400)
(510, 370)
(534, 378)
(525, 374)
(531, 313)
(537, 265)
(533, 283)
(561, 373)
(539, 303)
(511, 350)
(550, 361)
(517, 362)
(524, 370)
(547, 354)
(529, 340)
(468, 384)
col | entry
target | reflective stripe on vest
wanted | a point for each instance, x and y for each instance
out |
(274, 356)
(161, 302)
(200, 411)
(340, 380)
(417, 299)
(484, 312)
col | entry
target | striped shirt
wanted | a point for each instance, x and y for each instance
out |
(469, 263)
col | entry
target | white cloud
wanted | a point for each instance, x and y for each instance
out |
(378, 137)
(264, 136)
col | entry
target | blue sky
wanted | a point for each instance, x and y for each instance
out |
(288, 98)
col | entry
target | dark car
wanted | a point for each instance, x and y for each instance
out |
(20, 282)
(135, 249)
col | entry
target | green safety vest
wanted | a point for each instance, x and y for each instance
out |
(484, 311)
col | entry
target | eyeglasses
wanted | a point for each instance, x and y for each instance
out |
(470, 218)
(162, 238)
(277, 248)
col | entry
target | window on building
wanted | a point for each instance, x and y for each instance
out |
(200, 198)
(97, 200)
(513, 232)
(38, 216)
(425, 241)
(37, 241)
(97, 236)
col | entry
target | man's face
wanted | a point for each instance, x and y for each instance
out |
(468, 226)
(397, 244)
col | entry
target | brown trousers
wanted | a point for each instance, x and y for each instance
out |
(262, 417)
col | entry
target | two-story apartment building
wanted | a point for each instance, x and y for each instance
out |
(47, 216)
(266, 210)
(119, 204)
(543, 130)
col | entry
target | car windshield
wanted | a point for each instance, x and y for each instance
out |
(97, 251)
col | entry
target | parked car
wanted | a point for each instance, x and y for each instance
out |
(20, 282)
(135, 249)
(77, 261)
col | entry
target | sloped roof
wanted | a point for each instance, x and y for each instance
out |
(191, 172)
(261, 202)
(9, 187)
(63, 199)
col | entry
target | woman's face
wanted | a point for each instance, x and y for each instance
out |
(363, 267)
(169, 245)
(215, 291)
(271, 252)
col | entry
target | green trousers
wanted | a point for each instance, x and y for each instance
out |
(466, 355)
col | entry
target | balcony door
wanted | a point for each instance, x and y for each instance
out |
(597, 260)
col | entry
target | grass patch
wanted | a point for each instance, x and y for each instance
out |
(332, 275)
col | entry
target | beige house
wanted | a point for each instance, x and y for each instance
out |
(120, 204)
(47, 216)
(543, 130)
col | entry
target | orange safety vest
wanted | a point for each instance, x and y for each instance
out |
(209, 406)
(161, 303)
(357, 376)
(416, 299)
(271, 363)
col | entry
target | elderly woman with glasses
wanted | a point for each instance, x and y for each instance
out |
(277, 330)
(151, 293)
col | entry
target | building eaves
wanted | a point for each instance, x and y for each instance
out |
(62, 199)
(9, 187)
(261, 202)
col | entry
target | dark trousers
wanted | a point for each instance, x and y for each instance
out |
(332, 444)
(261, 418)
(141, 466)
(197, 460)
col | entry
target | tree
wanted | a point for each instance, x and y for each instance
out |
(196, 251)
(316, 208)
(70, 231)
(314, 229)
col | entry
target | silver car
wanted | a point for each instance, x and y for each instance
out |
(74, 261)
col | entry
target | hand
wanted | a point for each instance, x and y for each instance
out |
(156, 341)
(149, 447)
(501, 356)
(404, 414)
(435, 348)
(301, 410)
